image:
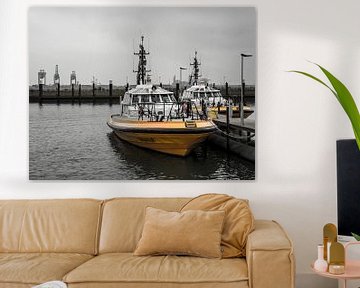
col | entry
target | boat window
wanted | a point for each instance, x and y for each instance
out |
(145, 99)
(135, 99)
(156, 98)
(172, 98)
(196, 94)
(165, 98)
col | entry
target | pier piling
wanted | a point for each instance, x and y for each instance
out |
(110, 92)
(79, 94)
(177, 91)
(58, 94)
(227, 127)
(41, 86)
(72, 94)
(93, 92)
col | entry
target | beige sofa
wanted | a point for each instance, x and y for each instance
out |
(89, 243)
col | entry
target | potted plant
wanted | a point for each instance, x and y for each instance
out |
(345, 99)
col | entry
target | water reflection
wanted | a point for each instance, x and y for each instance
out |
(205, 162)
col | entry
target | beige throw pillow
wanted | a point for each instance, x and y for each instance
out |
(194, 232)
(238, 223)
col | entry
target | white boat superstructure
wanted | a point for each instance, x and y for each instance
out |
(150, 101)
(198, 93)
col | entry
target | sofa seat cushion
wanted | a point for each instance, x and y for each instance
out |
(127, 268)
(36, 268)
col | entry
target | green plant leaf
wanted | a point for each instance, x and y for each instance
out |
(356, 236)
(344, 97)
(347, 102)
(316, 79)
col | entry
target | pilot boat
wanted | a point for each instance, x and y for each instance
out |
(205, 97)
(151, 118)
(202, 95)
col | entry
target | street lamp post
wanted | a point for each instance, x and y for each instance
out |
(241, 106)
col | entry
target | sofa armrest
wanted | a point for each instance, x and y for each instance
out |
(269, 256)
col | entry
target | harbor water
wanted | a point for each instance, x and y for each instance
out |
(73, 142)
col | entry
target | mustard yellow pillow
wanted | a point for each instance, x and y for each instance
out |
(238, 223)
(193, 232)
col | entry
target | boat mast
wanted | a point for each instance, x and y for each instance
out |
(141, 77)
(194, 76)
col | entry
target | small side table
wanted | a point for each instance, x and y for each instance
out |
(352, 269)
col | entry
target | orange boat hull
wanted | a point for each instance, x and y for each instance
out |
(180, 144)
(166, 137)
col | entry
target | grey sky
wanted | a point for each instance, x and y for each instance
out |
(99, 41)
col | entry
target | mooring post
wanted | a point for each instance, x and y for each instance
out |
(41, 93)
(93, 92)
(160, 84)
(227, 126)
(58, 94)
(79, 94)
(177, 91)
(72, 93)
(190, 109)
(110, 92)
(241, 103)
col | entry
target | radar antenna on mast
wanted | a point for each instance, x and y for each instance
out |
(141, 77)
(195, 74)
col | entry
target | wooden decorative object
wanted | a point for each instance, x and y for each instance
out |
(329, 236)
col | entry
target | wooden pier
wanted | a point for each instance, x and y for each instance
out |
(235, 123)
(76, 94)
(234, 137)
(91, 93)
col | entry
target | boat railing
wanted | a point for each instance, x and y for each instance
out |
(166, 110)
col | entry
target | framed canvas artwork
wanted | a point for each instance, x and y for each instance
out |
(142, 93)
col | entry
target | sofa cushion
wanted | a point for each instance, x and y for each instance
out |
(63, 226)
(238, 223)
(127, 268)
(193, 232)
(36, 268)
(123, 220)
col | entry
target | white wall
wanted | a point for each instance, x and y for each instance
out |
(298, 121)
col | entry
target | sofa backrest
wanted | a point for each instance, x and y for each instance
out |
(67, 226)
(123, 220)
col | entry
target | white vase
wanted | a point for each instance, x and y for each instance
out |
(320, 264)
